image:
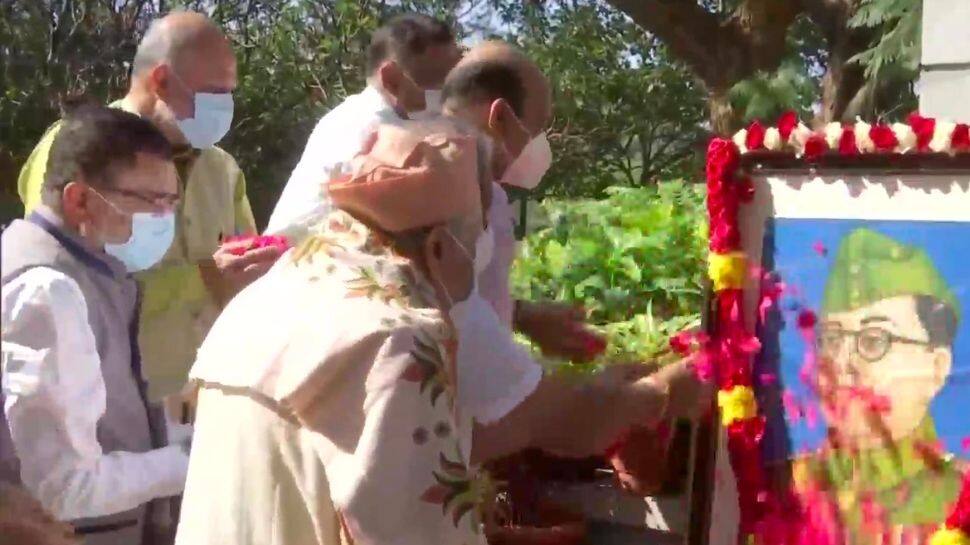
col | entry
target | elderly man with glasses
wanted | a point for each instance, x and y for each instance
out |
(885, 350)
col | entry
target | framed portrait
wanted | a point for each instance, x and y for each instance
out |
(856, 297)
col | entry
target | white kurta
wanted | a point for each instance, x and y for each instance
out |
(335, 140)
(54, 395)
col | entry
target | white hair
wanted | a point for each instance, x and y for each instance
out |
(166, 39)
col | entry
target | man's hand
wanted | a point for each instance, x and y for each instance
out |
(23, 521)
(240, 270)
(559, 330)
(234, 266)
(689, 396)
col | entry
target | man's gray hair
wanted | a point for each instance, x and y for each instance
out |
(165, 41)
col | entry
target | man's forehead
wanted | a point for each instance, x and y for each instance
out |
(897, 312)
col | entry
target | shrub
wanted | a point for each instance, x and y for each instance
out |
(634, 260)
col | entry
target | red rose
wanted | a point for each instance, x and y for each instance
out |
(924, 128)
(883, 137)
(722, 159)
(806, 319)
(682, 343)
(847, 145)
(961, 137)
(786, 124)
(756, 136)
(815, 146)
(255, 242)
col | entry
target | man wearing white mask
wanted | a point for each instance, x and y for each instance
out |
(77, 429)
(182, 80)
(407, 61)
(498, 89)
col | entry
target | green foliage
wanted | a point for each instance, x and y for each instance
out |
(625, 112)
(897, 45)
(56, 49)
(794, 86)
(634, 259)
(892, 61)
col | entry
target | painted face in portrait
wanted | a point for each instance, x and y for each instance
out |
(879, 369)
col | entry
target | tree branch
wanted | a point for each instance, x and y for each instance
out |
(720, 51)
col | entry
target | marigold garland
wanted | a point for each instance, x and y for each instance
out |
(730, 348)
(949, 536)
(737, 404)
(727, 270)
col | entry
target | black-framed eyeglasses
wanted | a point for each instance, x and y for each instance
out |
(154, 198)
(872, 343)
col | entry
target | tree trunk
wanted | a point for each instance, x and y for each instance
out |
(723, 117)
(845, 94)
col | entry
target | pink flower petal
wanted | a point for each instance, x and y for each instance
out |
(811, 416)
(965, 443)
(791, 405)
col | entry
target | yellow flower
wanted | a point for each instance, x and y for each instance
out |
(949, 536)
(727, 270)
(737, 404)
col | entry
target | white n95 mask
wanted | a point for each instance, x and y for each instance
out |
(432, 107)
(527, 170)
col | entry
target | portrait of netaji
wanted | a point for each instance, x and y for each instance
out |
(875, 393)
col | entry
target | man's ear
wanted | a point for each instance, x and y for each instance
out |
(389, 74)
(942, 364)
(448, 265)
(76, 204)
(506, 127)
(499, 116)
(160, 80)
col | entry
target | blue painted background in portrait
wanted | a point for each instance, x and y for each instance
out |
(796, 260)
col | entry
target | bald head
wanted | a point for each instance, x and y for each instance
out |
(498, 71)
(175, 39)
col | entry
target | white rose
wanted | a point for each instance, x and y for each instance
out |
(833, 133)
(862, 139)
(740, 139)
(905, 136)
(799, 135)
(943, 136)
(773, 139)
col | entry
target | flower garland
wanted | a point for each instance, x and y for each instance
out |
(728, 351)
(730, 347)
(918, 135)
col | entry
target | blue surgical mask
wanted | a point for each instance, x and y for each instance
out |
(213, 116)
(151, 236)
